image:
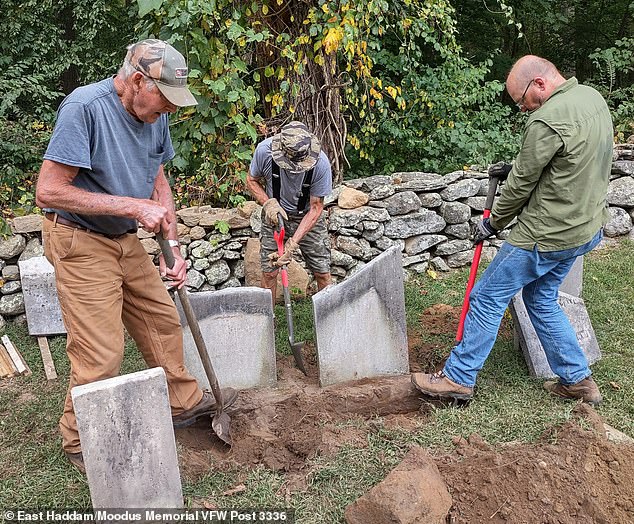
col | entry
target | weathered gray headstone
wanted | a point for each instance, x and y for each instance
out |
(43, 312)
(573, 283)
(360, 323)
(526, 337)
(127, 440)
(237, 326)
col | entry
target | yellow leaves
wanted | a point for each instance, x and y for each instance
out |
(325, 8)
(432, 274)
(319, 60)
(291, 109)
(304, 39)
(354, 142)
(277, 100)
(407, 22)
(392, 91)
(280, 2)
(265, 9)
(376, 94)
(333, 39)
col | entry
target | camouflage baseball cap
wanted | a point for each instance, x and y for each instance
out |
(295, 148)
(167, 67)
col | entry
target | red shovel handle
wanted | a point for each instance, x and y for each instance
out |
(493, 185)
(279, 238)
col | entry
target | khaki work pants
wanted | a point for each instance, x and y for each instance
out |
(103, 285)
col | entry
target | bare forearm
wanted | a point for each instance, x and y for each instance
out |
(163, 195)
(256, 189)
(307, 223)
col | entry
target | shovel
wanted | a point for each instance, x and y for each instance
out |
(493, 186)
(220, 421)
(296, 347)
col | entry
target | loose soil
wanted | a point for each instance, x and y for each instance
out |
(573, 475)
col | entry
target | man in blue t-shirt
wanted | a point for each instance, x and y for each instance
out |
(102, 176)
(296, 176)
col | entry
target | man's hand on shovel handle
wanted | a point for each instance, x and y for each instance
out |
(289, 249)
(483, 230)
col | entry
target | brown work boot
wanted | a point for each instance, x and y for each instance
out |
(206, 406)
(438, 385)
(586, 390)
(77, 460)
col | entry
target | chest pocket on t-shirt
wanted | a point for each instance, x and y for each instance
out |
(153, 163)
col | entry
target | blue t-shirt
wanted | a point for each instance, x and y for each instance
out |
(115, 153)
(291, 183)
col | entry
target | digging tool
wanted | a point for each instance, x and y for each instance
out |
(220, 421)
(296, 347)
(493, 186)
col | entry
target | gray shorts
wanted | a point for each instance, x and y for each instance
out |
(315, 245)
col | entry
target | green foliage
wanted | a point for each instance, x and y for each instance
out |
(613, 78)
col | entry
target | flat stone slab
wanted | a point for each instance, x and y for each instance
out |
(360, 323)
(127, 439)
(43, 312)
(573, 283)
(526, 338)
(237, 327)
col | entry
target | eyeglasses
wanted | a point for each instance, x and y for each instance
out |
(520, 102)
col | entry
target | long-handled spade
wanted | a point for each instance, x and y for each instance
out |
(296, 347)
(220, 421)
(493, 186)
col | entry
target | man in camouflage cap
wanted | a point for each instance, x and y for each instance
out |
(101, 178)
(296, 176)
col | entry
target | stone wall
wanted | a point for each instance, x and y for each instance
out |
(428, 216)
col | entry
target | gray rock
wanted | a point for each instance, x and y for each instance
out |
(194, 279)
(231, 255)
(197, 233)
(200, 264)
(621, 192)
(338, 271)
(418, 244)
(12, 246)
(20, 320)
(351, 231)
(332, 198)
(461, 259)
(218, 239)
(453, 246)
(620, 223)
(623, 167)
(373, 230)
(11, 272)
(369, 183)
(215, 256)
(461, 189)
(416, 259)
(418, 181)
(234, 246)
(202, 249)
(455, 212)
(430, 200)
(419, 268)
(10, 287)
(461, 231)
(337, 258)
(476, 202)
(351, 217)
(385, 243)
(218, 273)
(232, 282)
(255, 220)
(424, 221)
(439, 264)
(381, 192)
(3, 323)
(484, 188)
(237, 268)
(27, 224)
(450, 178)
(12, 305)
(400, 203)
(356, 247)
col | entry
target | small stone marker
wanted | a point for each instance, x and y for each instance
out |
(526, 338)
(43, 312)
(237, 327)
(127, 440)
(360, 323)
(573, 283)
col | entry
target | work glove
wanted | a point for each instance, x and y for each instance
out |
(500, 170)
(289, 248)
(483, 230)
(271, 209)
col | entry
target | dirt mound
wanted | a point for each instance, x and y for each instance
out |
(573, 475)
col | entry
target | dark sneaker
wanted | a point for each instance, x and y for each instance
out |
(77, 460)
(206, 406)
(585, 390)
(438, 385)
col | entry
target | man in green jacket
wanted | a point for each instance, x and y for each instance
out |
(557, 189)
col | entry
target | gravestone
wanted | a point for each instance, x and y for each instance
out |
(526, 337)
(237, 327)
(127, 440)
(360, 327)
(573, 283)
(43, 312)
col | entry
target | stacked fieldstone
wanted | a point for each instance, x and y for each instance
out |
(428, 216)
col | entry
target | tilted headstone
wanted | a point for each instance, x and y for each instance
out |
(573, 283)
(531, 347)
(360, 323)
(127, 440)
(43, 312)
(237, 327)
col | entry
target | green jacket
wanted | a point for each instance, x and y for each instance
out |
(558, 185)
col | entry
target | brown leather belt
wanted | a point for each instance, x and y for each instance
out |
(56, 219)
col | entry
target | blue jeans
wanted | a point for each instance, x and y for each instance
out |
(540, 274)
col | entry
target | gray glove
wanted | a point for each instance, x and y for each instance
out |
(483, 230)
(271, 209)
(500, 170)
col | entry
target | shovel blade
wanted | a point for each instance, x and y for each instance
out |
(221, 424)
(296, 348)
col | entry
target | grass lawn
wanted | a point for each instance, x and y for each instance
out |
(509, 406)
